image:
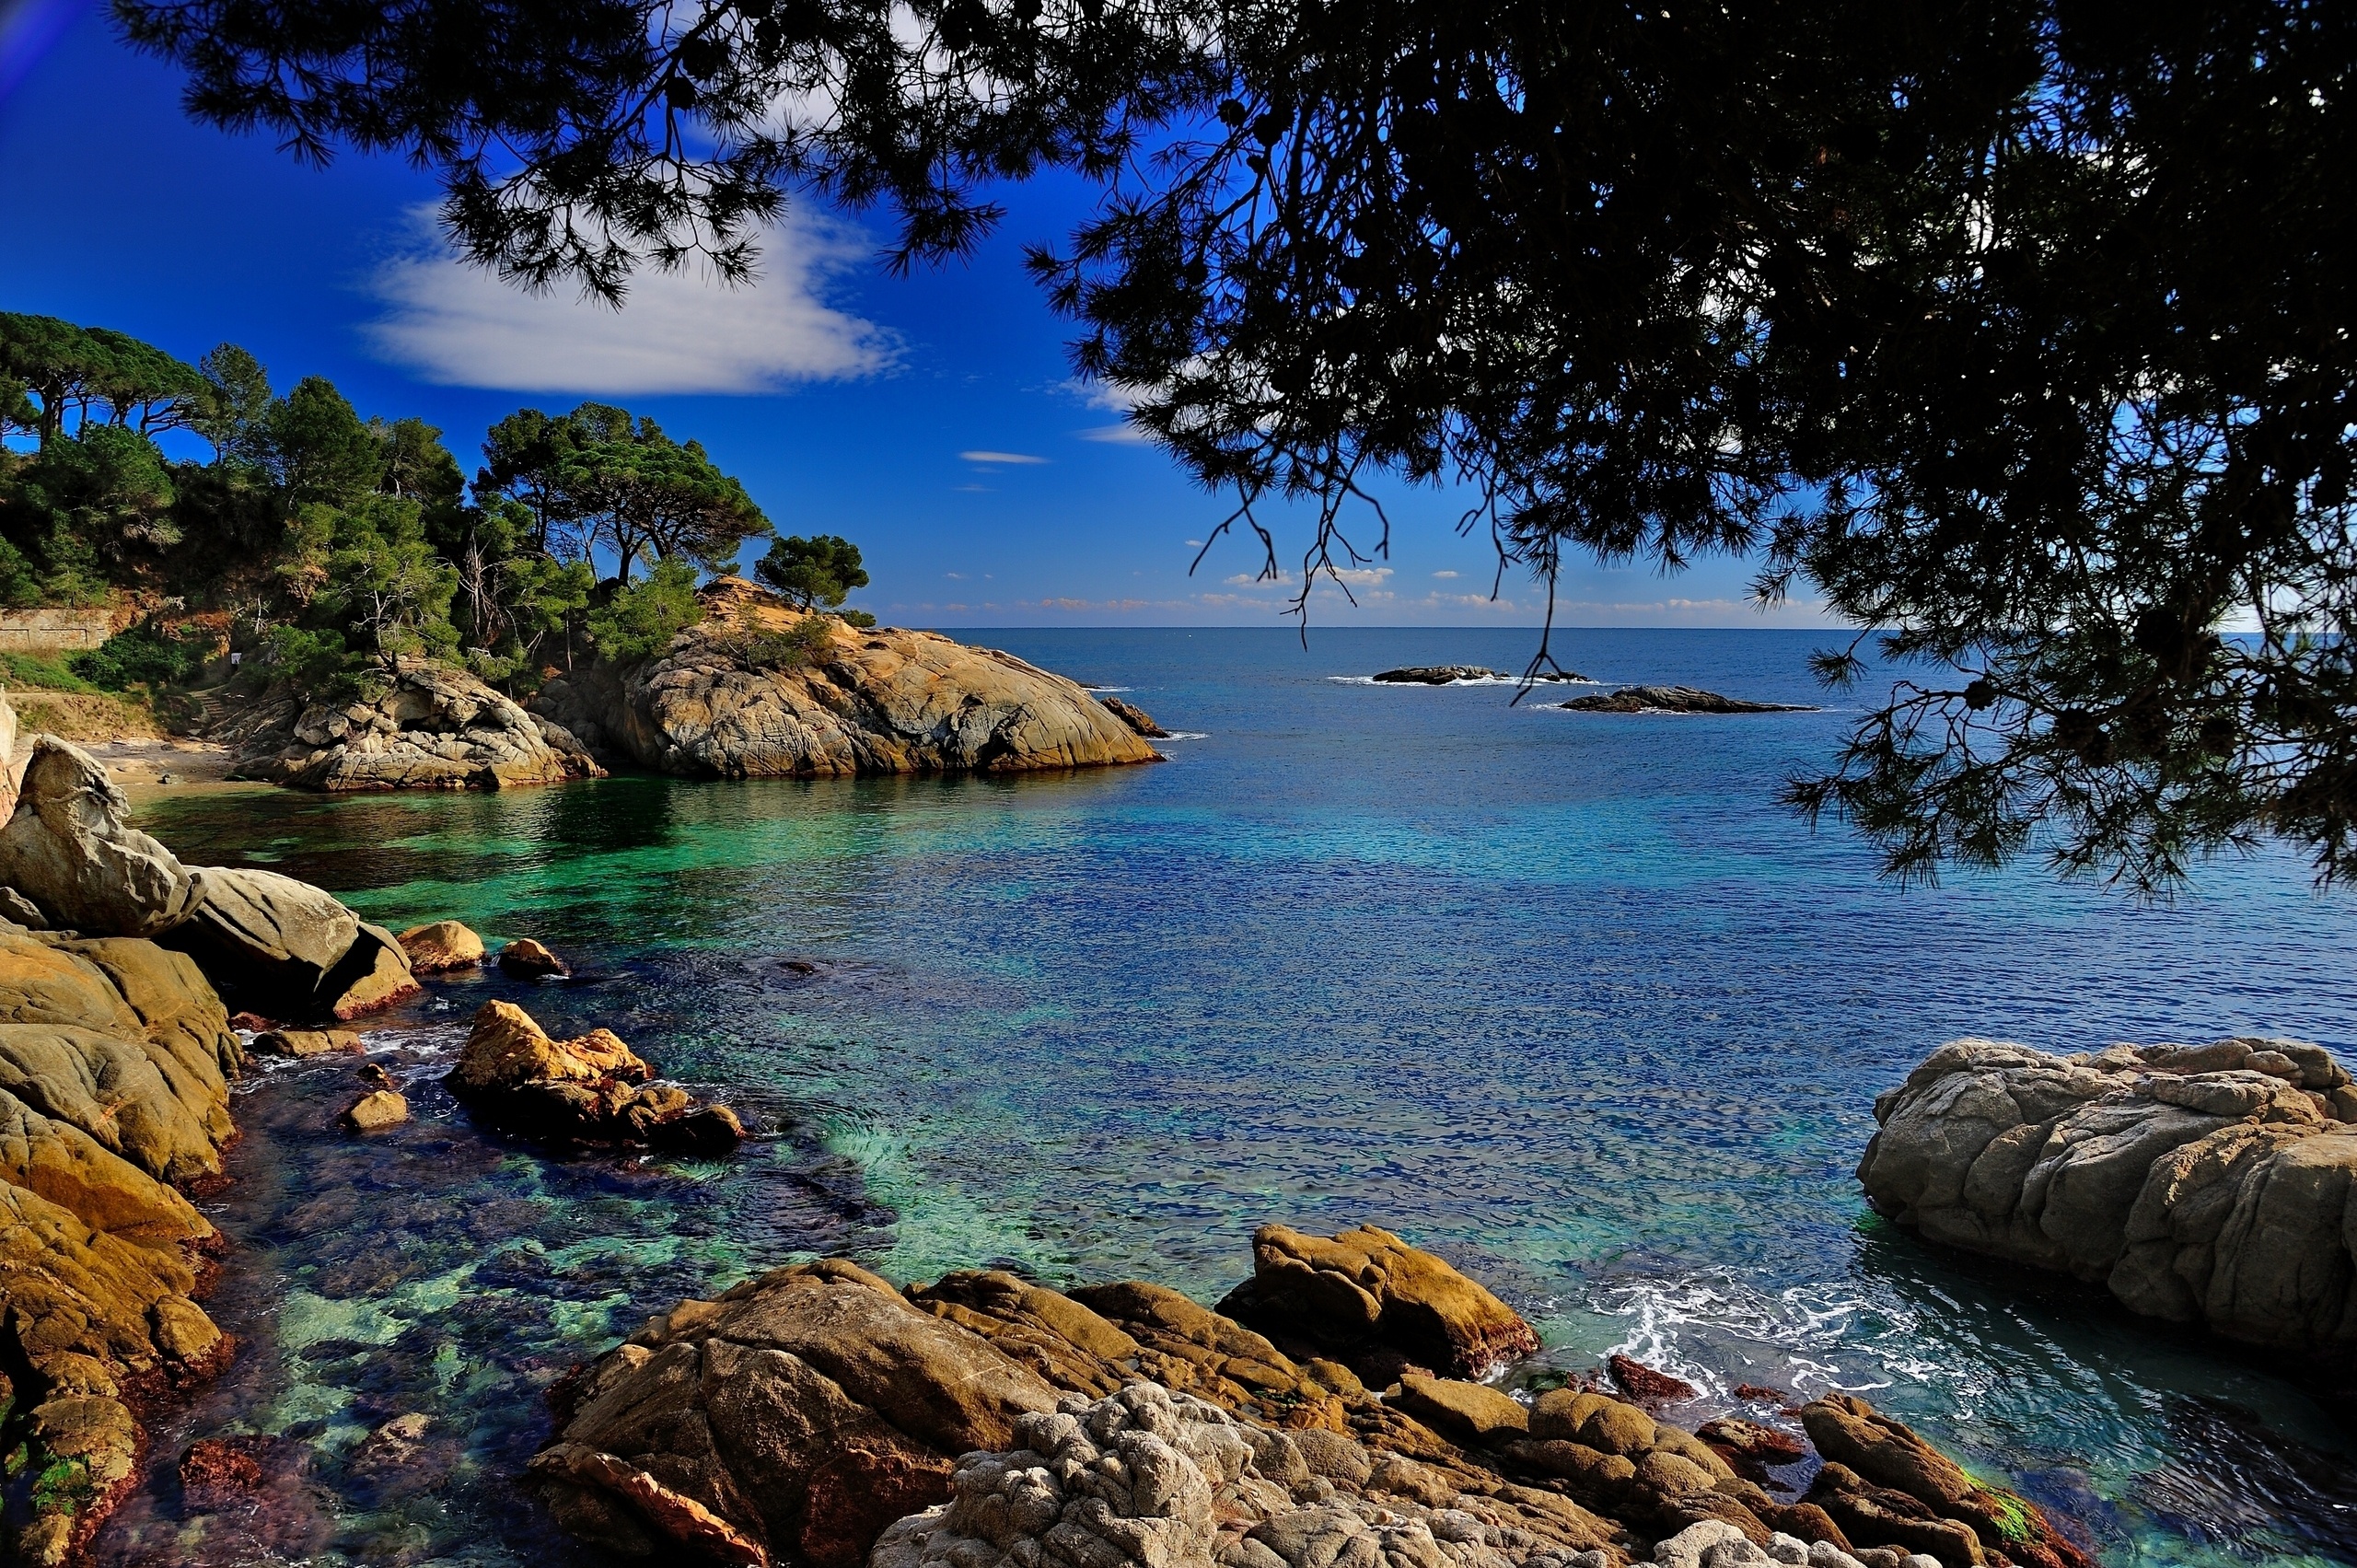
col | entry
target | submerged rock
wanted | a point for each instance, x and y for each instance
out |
(439, 946)
(1439, 675)
(1677, 700)
(1137, 718)
(2210, 1184)
(737, 697)
(430, 726)
(1366, 1288)
(590, 1089)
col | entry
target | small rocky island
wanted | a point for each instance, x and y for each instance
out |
(1675, 699)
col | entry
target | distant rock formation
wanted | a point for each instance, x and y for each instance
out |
(2213, 1184)
(1675, 699)
(1437, 675)
(431, 727)
(735, 697)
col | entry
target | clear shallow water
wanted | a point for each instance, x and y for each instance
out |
(1565, 996)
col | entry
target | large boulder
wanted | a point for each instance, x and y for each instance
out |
(736, 698)
(282, 948)
(589, 1089)
(1364, 1289)
(802, 1412)
(2212, 1184)
(426, 726)
(68, 850)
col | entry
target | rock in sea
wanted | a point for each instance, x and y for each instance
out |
(2207, 1184)
(1675, 699)
(1137, 718)
(527, 960)
(723, 701)
(439, 946)
(1437, 675)
(590, 1089)
(430, 726)
(373, 1111)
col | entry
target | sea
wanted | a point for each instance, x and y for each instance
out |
(1567, 998)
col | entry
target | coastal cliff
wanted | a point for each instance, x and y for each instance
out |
(732, 698)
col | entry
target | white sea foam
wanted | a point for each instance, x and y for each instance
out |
(1829, 1336)
(1186, 735)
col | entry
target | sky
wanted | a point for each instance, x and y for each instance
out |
(933, 420)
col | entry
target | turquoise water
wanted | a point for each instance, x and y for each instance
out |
(1565, 996)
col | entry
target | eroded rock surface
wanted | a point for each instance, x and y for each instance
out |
(440, 946)
(2213, 1184)
(1003, 1424)
(430, 727)
(1366, 1289)
(590, 1089)
(723, 702)
(114, 1056)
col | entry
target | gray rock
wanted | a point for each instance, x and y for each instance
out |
(431, 727)
(1675, 699)
(68, 850)
(2210, 1184)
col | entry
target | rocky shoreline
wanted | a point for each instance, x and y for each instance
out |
(1343, 1402)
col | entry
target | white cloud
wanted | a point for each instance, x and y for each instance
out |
(1002, 458)
(1444, 574)
(459, 325)
(1360, 576)
(1110, 396)
(955, 577)
(1116, 435)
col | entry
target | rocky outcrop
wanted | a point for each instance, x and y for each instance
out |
(428, 726)
(68, 850)
(527, 960)
(1137, 718)
(1365, 1290)
(591, 1089)
(273, 946)
(2214, 1184)
(1675, 699)
(1437, 675)
(114, 1058)
(1003, 1424)
(737, 698)
(439, 946)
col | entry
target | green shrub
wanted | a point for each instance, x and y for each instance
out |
(858, 618)
(31, 670)
(319, 666)
(756, 648)
(640, 621)
(144, 655)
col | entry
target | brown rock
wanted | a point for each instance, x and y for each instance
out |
(527, 960)
(1137, 718)
(69, 849)
(1366, 1287)
(373, 1111)
(1470, 1412)
(1856, 1439)
(1743, 1443)
(285, 949)
(875, 701)
(216, 1470)
(591, 1089)
(307, 1042)
(373, 976)
(1647, 1386)
(441, 945)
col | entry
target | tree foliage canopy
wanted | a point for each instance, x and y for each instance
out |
(823, 569)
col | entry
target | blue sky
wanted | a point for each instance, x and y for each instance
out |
(933, 420)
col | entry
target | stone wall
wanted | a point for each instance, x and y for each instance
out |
(23, 631)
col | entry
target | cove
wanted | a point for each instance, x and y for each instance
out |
(1563, 996)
